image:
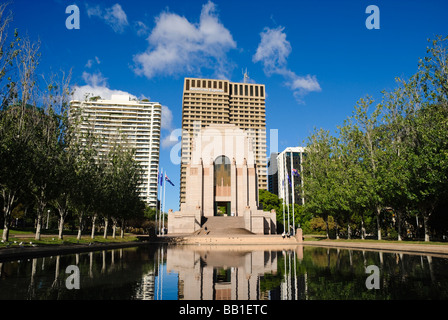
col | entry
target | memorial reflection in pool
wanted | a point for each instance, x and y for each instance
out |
(298, 272)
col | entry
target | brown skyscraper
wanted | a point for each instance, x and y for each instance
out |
(208, 101)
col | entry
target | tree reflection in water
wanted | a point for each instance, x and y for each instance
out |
(226, 273)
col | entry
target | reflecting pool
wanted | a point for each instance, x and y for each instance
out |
(193, 272)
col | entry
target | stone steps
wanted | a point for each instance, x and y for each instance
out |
(223, 225)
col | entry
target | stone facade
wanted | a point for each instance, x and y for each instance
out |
(221, 180)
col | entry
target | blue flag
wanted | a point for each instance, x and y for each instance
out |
(295, 172)
(161, 178)
(168, 180)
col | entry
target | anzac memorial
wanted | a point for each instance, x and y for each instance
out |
(221, 186)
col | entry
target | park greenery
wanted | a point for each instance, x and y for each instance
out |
(384, 172)
(46, 165)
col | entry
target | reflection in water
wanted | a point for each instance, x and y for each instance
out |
(221, 273)
(226, 273)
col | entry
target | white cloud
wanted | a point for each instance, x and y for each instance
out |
(176, 45)
(167, 118)
(90, 62)
(169, 141)
(96, 85)
(307, 83)
(141, 29)
(273, 51)
(114, 16)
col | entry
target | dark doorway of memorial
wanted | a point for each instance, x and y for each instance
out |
(222, 208)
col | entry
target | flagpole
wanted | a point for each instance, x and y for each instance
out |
(301, 177)
(157, 200)
(284, 222)
(161, 200)
(293, 200)
(287, 191)
(163, 211)
(283, 190)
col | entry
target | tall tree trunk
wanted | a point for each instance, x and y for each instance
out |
(337, 231)
(38, 226)
(122, 228)
(5, 236)
(61, 226)
(106, 223)
(326, 224)
(426, 225)
(349, 231)
(79, 227)
(39, 220)
(62, 206)
(399, 214)
(363, 229)
(8, 200)
(92, 235)
(114, 228)
(378, 211)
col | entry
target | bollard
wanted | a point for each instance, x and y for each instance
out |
(299, 236)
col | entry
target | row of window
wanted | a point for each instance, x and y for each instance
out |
(206, 84)
(248, 90)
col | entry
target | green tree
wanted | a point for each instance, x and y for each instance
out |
(320, 176)
(15, 157)
(122, 178)
(8, 53)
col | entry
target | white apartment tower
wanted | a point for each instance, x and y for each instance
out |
(136, 123)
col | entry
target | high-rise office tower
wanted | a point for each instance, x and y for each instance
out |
(122, 120)
(208, 101)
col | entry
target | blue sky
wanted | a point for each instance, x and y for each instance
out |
(316, 58)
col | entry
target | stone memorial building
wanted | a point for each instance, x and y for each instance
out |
(221, 185)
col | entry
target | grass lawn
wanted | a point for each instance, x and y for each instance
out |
(27, 239)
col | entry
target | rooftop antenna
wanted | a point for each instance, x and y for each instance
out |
(246, 76)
